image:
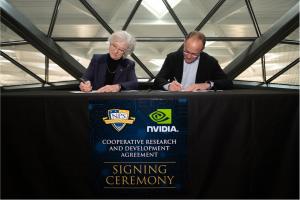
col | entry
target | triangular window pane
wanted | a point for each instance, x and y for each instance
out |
(153, 54)
(84, 51)
(148, 24)
(279, 57)
(252, 73)
(225, 52)
(290, 77)
(294, 35)
(29, 57)
(267, 12)
(192, 12)
(38, 12)
(231, 20)
(74, 20)
(115, 14)
(12, 75)
(8, 35)
(56, 73)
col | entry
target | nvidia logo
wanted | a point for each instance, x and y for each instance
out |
(161, 116)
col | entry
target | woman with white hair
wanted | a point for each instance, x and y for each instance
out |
(112, 72)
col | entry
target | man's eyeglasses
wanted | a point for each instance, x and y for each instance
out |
(194, 55)
(117, 48)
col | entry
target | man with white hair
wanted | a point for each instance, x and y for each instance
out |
(112, 72)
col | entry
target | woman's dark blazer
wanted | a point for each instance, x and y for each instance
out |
(124, 73)
(208, 70)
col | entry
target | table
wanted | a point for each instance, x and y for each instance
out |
(241, 144)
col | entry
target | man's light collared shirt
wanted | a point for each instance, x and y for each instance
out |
(189, 73)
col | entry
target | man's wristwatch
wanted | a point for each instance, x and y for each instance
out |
(211, 84)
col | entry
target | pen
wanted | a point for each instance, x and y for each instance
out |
(82, 80)
(177, 82)
(85, 81)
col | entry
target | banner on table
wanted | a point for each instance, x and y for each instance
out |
(139, 144)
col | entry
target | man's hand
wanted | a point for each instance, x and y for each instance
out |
(110, 88)
(174, 86)
(85, 86)
(198, 86)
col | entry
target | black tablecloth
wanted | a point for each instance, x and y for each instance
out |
(241, 144)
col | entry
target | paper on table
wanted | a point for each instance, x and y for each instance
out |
(93, 91)
(207, 90)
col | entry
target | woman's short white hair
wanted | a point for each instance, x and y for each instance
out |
(123, 36)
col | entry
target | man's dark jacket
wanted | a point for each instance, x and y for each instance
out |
(208, 70)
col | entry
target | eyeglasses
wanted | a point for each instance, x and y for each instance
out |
(114, 46)
(194, 55)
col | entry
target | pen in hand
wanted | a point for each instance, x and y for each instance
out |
(82, 80)
(85, 85)
(177, 83)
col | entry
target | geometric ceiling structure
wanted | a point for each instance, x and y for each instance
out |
(80, 28)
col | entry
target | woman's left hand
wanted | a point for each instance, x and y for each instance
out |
(110, 88)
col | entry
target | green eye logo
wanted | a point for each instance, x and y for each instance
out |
(161, 116)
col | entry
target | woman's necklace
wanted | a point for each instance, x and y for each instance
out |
(110, 71)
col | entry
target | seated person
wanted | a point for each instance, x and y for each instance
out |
(112, 72)
(191, 69)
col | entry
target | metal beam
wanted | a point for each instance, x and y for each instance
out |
(96, 15)
(53, 18)
(137, 5)
(146, 39)
(281, 29)
(151, 39)
(142, 65)
(23, 27)
(210, 14)
(49, 34)
(172, 13)
(253, 18)
(258, 33)
(13, 43)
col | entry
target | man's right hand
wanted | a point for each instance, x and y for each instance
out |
(85, 86)
(174, 86)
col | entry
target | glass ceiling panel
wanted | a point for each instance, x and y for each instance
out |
(27, 56)
(8, 35)
(153, 54)
(290, 77)
(115, 14)
(83, 51)
(192, 12)
(279, 57)
(74, 20)
(267, 12)
(252, 73)
(294, 35)
(225, 52)
(39, 12)
(231, 20)
(56, 73)
(12, 75)
(148, 23)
